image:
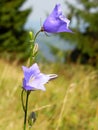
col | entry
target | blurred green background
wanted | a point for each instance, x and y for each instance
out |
(70, 101)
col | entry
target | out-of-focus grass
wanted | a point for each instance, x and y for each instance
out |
(70, 102)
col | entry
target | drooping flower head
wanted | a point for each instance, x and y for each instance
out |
(56, 22)
(34, 79)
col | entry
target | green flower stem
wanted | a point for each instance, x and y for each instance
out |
(31, 56)
(26, 108)
(32, 41)
(37, 35)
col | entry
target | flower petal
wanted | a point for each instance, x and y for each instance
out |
(27, 87)
(52, 76)
(28, 72)
(56, 22)
(33, 79)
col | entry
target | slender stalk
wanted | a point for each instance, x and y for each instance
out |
(31, 56)
(37, 35)
(32, 41)
(26, 108)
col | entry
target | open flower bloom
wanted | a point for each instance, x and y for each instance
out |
(56, 22)
(34, 79)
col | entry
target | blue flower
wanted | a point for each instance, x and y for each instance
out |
(34, 79)
(56, 22)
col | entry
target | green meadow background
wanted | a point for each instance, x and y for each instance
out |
(70, 102)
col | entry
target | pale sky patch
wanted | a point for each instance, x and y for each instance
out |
(40, 9)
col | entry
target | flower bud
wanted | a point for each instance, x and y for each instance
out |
(31, 35)
(31, 118)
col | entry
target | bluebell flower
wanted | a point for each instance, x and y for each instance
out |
(56, 22)
(34, 79)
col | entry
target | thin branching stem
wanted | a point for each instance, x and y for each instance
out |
(26, 108)
(37, 35)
